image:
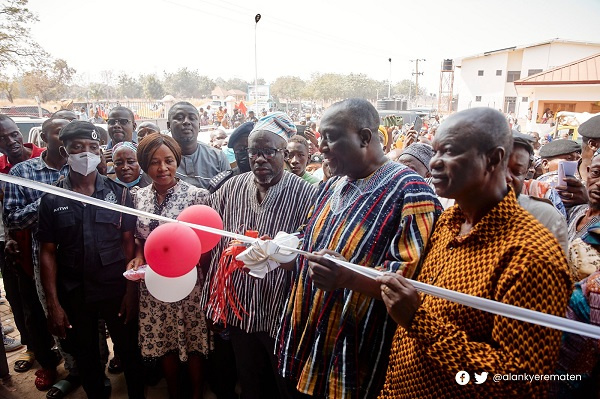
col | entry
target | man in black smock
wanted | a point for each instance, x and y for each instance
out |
(84, 251)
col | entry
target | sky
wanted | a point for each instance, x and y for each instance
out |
(298, 38)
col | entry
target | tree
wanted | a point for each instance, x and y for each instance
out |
(406, 88)
(17, 49)
(186, 83)
(359, 85)
(236, 84)
(38, 83)
(288, 87)
(329, 86)
(9, 87)
(152, 87)
(129, 87)
(48, 84)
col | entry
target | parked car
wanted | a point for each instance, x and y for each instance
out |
(26, 124)
(24, 110)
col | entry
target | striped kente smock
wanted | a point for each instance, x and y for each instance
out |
(284, 208)
(336, 344)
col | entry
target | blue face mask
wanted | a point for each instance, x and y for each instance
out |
(131, 184)
(229, 153)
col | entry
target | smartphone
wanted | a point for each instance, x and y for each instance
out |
(566, 168)
(300, 130)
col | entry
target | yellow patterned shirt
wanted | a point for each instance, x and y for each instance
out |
(508, 257)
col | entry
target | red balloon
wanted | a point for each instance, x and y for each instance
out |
(204, 216)
(172, 250)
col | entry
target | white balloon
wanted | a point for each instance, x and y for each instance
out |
(170, 289)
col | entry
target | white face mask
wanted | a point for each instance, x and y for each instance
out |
(83, 163)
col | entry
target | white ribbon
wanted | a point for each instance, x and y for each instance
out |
(487, 305)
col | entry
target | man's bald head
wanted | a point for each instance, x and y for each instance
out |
(484, 128)
(358, 114)
(349, 138)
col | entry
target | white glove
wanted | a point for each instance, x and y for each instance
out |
(263, 257)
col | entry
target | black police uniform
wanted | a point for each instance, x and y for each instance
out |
(90, 285)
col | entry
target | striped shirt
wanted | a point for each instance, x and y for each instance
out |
(336, 343)
(284, 208)
(21, 203)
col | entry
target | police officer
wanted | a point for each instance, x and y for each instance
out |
(84, 251)
(238, 141)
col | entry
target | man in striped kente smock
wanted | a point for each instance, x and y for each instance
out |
(335, 335)
(267, 200)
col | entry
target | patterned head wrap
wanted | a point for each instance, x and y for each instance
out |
(124, 144)
(278, 123)
(423, 152)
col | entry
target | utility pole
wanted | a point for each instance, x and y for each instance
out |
(417, 73)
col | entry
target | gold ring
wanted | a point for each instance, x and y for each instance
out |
(386, 289)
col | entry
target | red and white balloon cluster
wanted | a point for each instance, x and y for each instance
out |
(173, 250)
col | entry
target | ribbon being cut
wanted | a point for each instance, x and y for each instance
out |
(264, 256)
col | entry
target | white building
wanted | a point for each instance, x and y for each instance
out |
(486, 80)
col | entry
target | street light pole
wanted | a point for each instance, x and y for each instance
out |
(390, 80)
(256, 19)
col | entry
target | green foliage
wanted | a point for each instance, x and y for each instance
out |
(129, 87)
(17, 49)
(49, 84)
(152, 87)
(187, 83)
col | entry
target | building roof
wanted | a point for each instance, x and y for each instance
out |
(524, 46)
(583, 71)
(236, 92)
(219, 92)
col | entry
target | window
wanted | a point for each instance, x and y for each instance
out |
(533, 71)
(509, 104)
(524, 99)
(498, 72)
(477, 98)
(480, 72)
(511, 76)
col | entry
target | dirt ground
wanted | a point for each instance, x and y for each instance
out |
(21, 385)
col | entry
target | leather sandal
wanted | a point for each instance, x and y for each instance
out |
(63, 387)
(24, 362)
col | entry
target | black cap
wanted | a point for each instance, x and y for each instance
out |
(242, 130)
(79, 129)
(590, 128)
(559, 147)
(523, 140)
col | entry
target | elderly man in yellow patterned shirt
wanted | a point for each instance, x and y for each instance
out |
(488, 246)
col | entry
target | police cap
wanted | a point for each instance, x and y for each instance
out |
(559, 147)
(242, 130)
(79, 130)
(524, 140)
(590, 128)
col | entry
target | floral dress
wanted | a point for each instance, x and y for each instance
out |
(178, 327)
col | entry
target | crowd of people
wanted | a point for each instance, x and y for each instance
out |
(465, 204)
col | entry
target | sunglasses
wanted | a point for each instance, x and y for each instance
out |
(122, 122)
(267, 153)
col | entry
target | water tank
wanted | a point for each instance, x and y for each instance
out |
(385, 105)
(447, 65)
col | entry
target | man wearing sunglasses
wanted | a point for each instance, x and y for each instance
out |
(121, 125)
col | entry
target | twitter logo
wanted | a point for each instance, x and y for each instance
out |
(480, 378)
